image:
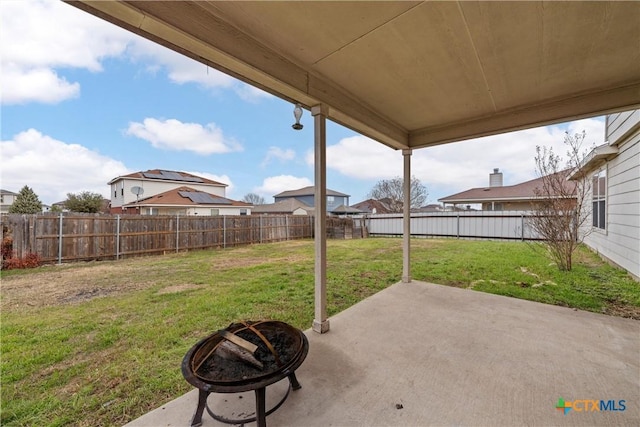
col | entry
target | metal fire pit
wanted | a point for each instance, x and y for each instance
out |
(281, 349)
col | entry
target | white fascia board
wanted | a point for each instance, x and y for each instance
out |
(594, 159)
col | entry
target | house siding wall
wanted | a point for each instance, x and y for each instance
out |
(309, 200)
(201, 211)
(618, 125)
(620, 242)
(152, 188)
(7, 201)
(508, 206)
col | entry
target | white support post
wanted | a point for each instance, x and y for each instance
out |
(406, 223)
(320, 321)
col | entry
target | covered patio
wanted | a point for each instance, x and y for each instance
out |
(407, 74)
(419, 354)
(411, 75)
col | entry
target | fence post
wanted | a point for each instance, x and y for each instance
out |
(177, 231)
(286, 227)
(457, 226)
(522, 227)
(60, 239)
(117, 237)
(224, 231)
(260, 228)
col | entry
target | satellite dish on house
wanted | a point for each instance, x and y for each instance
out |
(138, 191)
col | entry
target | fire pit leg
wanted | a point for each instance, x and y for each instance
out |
(202, 402)
(294, 381)
(261, 408)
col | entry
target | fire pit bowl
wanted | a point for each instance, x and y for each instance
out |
(279, 350)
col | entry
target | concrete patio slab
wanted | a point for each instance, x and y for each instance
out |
(420, 354)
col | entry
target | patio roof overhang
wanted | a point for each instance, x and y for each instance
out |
(411, 74)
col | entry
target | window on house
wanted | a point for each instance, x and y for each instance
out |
(215, 212)
(599, 187)
(243, 211)
(330, 199)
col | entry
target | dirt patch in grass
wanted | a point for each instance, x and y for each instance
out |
(623, 310)
(60, 285)
(178, 288)
(72, 284)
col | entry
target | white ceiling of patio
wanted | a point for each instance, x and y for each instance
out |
(412, 74)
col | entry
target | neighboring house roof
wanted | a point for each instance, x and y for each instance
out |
(165, 175)
(7, 192)
(523, 191)
(370, 204)
(286, 206)
(342, 209)
(430, 208)
(308, 191)
(187, 197)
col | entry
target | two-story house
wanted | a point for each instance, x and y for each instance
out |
(163, 192)
(306, 195)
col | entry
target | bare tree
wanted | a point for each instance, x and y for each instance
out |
(560, 213)
(253, 198)
(391, 192)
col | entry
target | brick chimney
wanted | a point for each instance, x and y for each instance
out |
(495, 178)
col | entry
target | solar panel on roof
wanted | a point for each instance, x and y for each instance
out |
(219, 201)
(192, 179)
(203, 198)
(152, 175)
(176, 176)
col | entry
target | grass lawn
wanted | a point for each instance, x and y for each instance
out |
(101, 343)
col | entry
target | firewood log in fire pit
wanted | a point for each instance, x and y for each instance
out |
(235, 346)
(230, 350)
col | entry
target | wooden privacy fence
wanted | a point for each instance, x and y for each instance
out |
(508, 225)
(75, 237)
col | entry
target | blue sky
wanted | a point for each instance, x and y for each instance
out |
(84, 101)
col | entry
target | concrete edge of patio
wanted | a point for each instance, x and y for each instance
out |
(423, 354)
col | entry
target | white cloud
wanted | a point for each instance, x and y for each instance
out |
(54, 168)
(277, 184)
(174, 135)
(278, 153)
(458, 166)
(181, 70)
(37, 84)
(40, 36)
(250, 93)
(362, 158)
(224, 179)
